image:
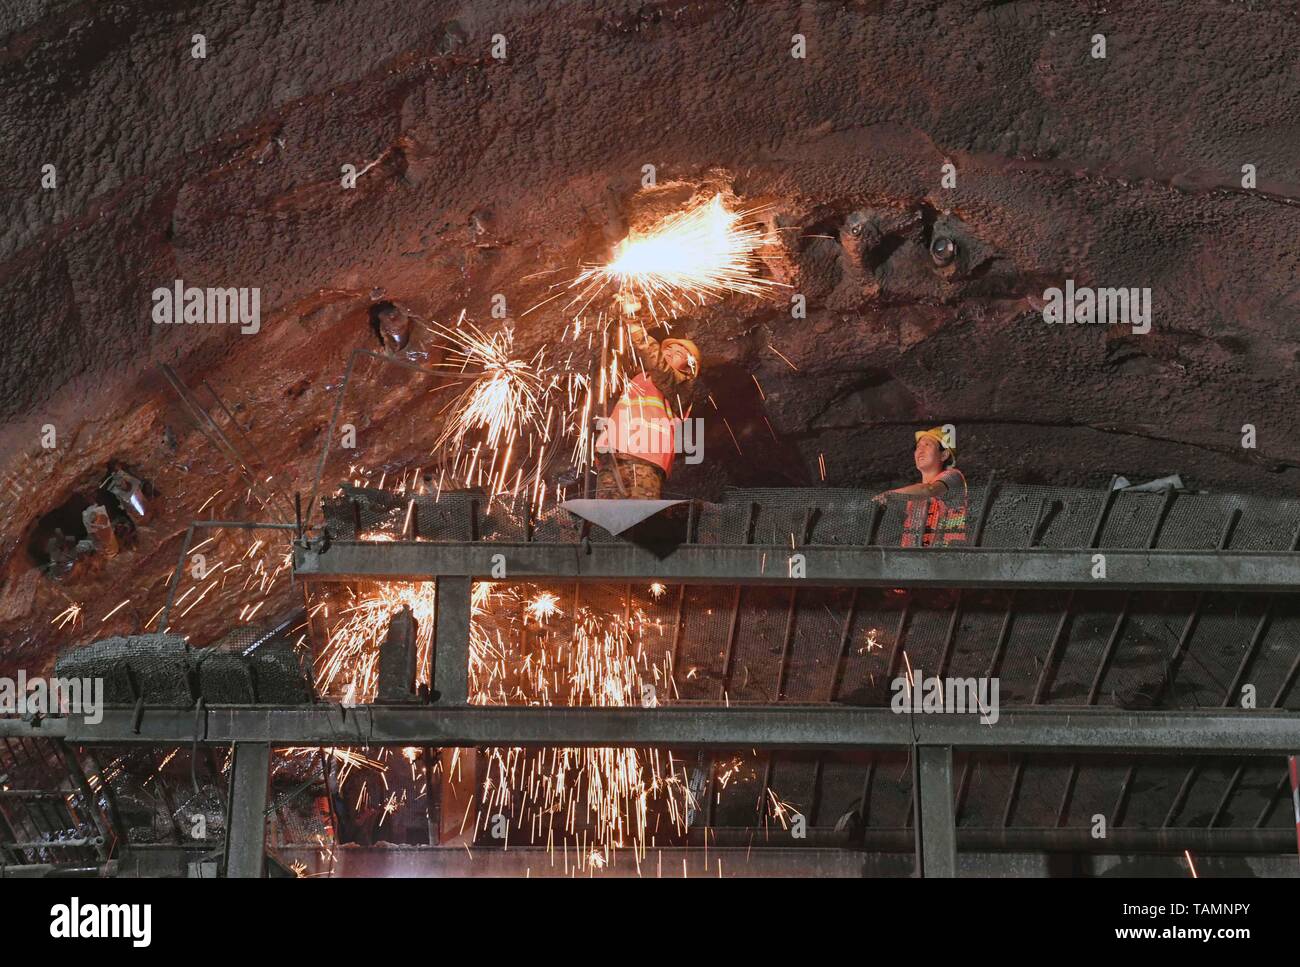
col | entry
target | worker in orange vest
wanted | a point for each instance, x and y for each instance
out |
(637, 442)
(937, 511)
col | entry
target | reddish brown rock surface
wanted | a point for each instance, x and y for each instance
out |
(485, 176)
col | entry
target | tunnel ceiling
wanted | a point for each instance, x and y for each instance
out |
(480, 176)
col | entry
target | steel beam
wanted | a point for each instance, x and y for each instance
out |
(249, 788)
(970, 567)
(1026, 839)
(792, 727)
(936, 815)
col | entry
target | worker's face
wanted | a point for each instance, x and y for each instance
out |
(678, 358)
(928, 455)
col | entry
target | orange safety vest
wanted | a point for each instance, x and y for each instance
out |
(926, 520)
(641, 425)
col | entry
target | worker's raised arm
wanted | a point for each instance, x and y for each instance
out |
(651, 357)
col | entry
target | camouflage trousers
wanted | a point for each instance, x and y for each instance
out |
(640, 480)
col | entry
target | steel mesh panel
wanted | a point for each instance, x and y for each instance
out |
(987, 789)
(1216, 647)
(298, 810)
(781, 512)
(1011, 517)
(557, 526)
(1257, 795)
(760, 634)
(794, 781)
(1154, 786)
(155, 666)
(737, 788)
(1149, 639)
(169, 795)
(839, 790)
(815, 646)
(1028, 640)
(875, 619)
(977, 632)
(1131, 520)
(1266, 524)
(889, 799)
(1042, 783)
(926, 631)
(1070, 517)
(889, 532)
(1064, 516)
(1095, 789)
(1277, 657)
(1084, 639)
(705, 623)
(719, 524)
(1203, 795)
(844, 518)
(1196, 521)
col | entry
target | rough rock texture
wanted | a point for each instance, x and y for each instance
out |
(483, 176)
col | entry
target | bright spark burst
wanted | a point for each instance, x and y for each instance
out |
(657, 590)
(872, 643)
(545, 605)
(69, 615)
(701, 253)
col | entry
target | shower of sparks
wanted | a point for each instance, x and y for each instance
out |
(237, 580)
(592, 801)
(349, 662)
(701, 253)
(588, 804)
(346, 758)
(502, 427)
(657, 590)
(597, 800)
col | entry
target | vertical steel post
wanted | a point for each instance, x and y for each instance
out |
(250, 780)
(936, 818)
(451, 641)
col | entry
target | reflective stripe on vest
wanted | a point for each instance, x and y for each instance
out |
(648, 436)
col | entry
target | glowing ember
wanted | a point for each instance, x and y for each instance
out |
(688, 257)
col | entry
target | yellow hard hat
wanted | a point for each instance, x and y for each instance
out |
(689, 346)
(936, 434)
